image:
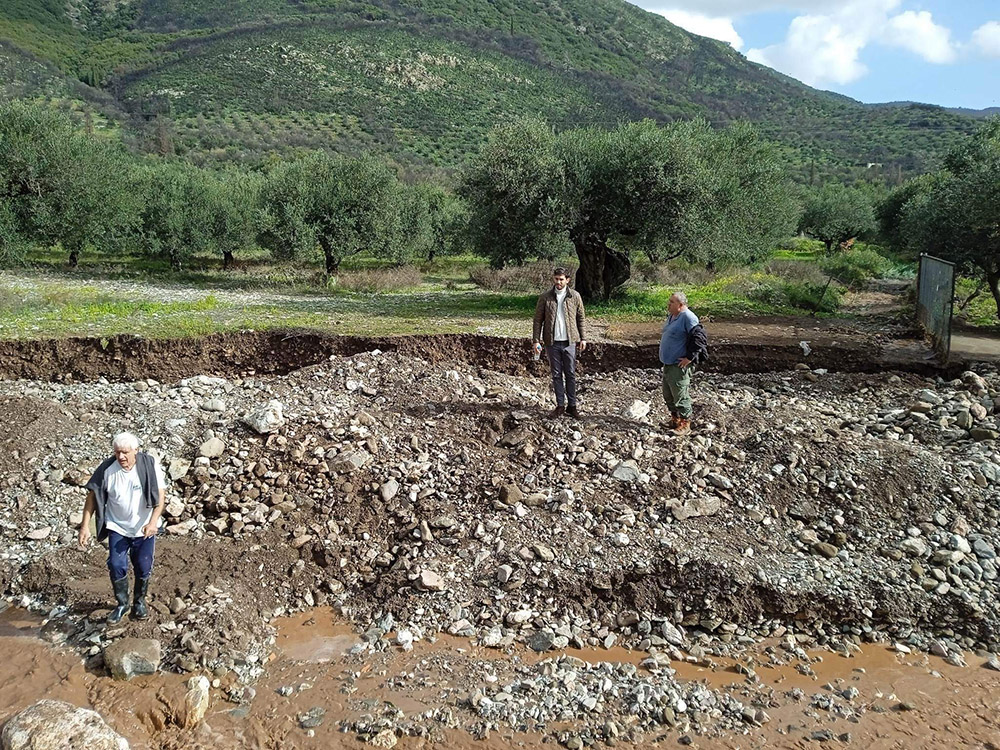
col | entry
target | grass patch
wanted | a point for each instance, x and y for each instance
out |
(981, 311)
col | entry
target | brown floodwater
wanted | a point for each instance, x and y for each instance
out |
(945, 706)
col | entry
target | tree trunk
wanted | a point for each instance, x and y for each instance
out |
(227, 259)
(602, 270)
(331, 259)
(993, 278)
(74, 258)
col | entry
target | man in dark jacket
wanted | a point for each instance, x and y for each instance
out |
(126, 496)
(558, 325)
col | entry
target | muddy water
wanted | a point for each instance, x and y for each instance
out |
(946, 707)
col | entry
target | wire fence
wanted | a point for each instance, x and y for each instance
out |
(935, 297)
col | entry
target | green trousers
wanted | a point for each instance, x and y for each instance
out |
(677, 390)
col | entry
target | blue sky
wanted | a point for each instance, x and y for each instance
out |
(943, 52)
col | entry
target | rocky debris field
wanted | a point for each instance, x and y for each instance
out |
(419, 499)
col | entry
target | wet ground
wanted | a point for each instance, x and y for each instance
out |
(904, 700)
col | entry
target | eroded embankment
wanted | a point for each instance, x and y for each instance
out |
(426, 495)
(125, 358)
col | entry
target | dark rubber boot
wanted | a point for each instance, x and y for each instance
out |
(139, 610)
(121, 596)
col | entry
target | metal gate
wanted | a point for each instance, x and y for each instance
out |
(935, 295)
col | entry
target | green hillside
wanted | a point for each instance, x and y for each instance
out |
(423, 80)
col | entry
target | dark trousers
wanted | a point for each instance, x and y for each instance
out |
(562, 360)
(121, 548)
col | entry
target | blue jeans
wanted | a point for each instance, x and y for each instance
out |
(121, 548)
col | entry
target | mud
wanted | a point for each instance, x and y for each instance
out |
(904, 701)
(128, 358)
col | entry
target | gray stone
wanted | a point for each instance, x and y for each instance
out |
(56, 725)
(542, 640)
(543, 553)
(214, 404)
(929, 396)
(983, 433)
(389, 490)
(717, 480)
(672, 634)
(636, 410)
(431, 581)
(626, 471)
(984, 550)
(132, 656)
(348, 463)
(178, 469)
(312, 718)
(266, 419)
(914, 546)
(511, 494)
(696, 507)
(212, 448)
(825, 549)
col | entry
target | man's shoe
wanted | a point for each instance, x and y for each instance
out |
(557, 412)
(572, 411)
(139, 609)
(121, 596)
(683, 426)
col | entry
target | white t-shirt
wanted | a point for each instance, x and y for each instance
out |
(559, 332)
(126, 510)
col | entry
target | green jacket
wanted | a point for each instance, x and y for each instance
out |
(545, 317)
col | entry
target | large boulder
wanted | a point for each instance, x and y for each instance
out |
(132, 656)
(212, 448)
(265, 419)
(56, 725)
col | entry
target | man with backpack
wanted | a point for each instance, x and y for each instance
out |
(683, 345)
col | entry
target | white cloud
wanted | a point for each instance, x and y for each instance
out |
(987, 39)
(918, 33)
(825, 48)
(732, 8)
(713, 27)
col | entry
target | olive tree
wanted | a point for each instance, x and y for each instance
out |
(233, 198)
(178, 212)
(678, 190)
(836, 213)
(956, 216)
(60, 185)
(343, 206)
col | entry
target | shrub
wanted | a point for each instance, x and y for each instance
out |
(806, 296)
(856, 266)
(375, 280)
(531, 277)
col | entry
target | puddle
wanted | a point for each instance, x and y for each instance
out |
(17, 623)
(314, 637)
(312, 666)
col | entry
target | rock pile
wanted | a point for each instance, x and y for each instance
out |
(420, 500)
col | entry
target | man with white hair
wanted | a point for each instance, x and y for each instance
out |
(126, 495)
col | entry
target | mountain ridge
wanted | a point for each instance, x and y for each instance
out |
(424, 80)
